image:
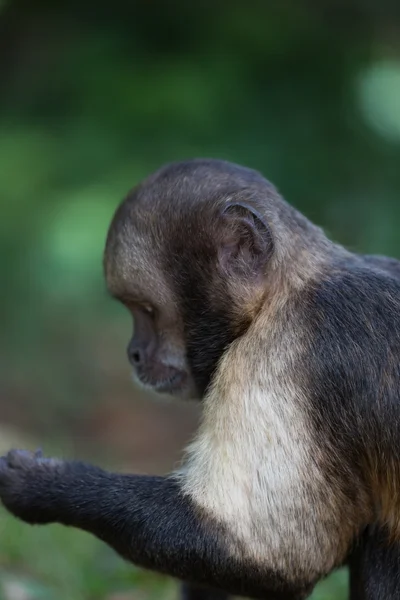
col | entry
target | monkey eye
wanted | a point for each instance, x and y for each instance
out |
(148, 309)
(133, 304)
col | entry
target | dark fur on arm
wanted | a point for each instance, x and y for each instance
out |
(375, 567)
(195, 592)
(147, 520)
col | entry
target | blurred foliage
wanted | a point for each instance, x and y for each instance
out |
(96, 95)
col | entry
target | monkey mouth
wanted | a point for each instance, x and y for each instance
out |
(171, 384)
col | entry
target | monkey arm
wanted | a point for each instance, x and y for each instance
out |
(194, 592)
(145, 519)
(375, 567)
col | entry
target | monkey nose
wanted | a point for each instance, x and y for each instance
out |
(135, 355)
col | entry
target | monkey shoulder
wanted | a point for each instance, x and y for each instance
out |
(358, 302)
(389, 265)
(353, 357)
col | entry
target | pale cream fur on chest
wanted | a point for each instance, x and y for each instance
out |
(253, 465)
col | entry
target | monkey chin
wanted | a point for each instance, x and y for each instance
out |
(181, 387)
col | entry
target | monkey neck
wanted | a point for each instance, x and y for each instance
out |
(302, 252)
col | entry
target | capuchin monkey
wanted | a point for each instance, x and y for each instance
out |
(292, 345)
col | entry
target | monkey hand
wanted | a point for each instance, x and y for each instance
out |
(27, 484)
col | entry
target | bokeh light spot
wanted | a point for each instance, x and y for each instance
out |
(378, 89)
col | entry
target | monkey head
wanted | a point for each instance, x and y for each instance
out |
(188, 253)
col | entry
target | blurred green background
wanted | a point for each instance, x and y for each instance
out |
(94, 96)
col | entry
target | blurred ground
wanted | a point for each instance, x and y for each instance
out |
(94, 96)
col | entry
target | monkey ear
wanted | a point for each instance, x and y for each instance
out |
(246, 243)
